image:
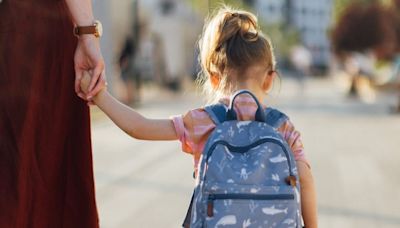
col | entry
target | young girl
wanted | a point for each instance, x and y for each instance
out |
(234, 55)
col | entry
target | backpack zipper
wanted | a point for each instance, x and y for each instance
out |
(243, 149)
(243, 196)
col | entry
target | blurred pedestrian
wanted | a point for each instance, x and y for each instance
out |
(46, 176)
(129, 73)
(396, 59)
(360, 67)
(140, 61)
(235, 55)
(172, 34)
(364, 33)
(396, 80)
(301, 59)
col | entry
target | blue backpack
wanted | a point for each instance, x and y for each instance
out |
(247, 174)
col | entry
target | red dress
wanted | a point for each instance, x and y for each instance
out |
(46, 173)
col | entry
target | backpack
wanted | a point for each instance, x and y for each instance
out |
(247, 175)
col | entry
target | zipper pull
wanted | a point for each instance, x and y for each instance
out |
(210, 206)
(291, 180)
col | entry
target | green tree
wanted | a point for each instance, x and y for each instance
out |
(206, 6)
(339, 6)
(283, 38)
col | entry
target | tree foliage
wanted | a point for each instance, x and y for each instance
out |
(207, 6)
(362, 27)
(282, 38)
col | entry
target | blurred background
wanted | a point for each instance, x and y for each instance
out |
(339, 64)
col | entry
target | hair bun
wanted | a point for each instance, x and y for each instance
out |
(230, 44)
(248, 28)
(238, 23)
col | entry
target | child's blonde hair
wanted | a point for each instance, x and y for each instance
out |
(231, 41)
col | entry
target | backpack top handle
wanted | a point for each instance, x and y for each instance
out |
(231, 114)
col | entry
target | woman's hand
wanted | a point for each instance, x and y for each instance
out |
(84, 86)
(88, 58)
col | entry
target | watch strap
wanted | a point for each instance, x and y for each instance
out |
(81, 30)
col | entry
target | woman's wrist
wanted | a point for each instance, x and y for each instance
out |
(85, 20)
(88, 38)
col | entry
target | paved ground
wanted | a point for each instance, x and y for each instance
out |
(353, 148)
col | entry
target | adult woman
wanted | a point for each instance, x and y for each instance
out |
(45, 152)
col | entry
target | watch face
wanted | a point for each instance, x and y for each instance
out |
(99, 29)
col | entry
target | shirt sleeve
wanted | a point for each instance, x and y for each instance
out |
(182, 132)
(293, 138)
(193, 129)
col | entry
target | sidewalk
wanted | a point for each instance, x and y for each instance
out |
(352, 147)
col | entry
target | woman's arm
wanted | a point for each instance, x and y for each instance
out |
(130, 121)
(88, 55)
(81, 11)
(308, 195)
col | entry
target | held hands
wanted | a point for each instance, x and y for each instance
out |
(88, 58)
(85, 83)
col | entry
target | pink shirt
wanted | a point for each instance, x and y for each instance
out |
(194, 127)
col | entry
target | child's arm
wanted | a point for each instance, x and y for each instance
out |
(130, 121)
(308, 195)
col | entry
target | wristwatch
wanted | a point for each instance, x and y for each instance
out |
(96, 29)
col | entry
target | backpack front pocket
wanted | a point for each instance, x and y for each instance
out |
(251, 210)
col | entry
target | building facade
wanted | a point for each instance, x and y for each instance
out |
(311, 18)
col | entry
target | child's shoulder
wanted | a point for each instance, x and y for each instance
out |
(198, 120)
(275, 117)
(194, 118)
(281, 120)
(196, 113)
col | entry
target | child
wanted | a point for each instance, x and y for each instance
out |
(234, 55)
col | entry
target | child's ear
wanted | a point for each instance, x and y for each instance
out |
(214, 79)
(269, 78)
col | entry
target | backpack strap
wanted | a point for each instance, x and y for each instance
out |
(274, 117)
(217, 113)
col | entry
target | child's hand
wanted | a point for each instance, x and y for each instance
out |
(85, 82)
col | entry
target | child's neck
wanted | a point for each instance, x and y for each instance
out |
(252, 85)
(251, 79)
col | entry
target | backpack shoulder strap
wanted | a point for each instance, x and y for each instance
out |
(217, 113)
(274, 117)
